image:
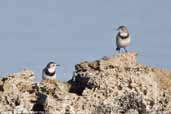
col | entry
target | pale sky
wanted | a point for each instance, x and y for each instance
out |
(34, 32)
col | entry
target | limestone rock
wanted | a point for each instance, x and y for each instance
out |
(120, 85)
(17, 93)
(111, 85)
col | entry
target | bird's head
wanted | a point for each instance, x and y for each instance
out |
(51, 66)
(123, 30)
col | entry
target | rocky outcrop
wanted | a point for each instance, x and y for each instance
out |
(17, 93)
(115, 85)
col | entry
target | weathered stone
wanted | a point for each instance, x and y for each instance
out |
(111, 85)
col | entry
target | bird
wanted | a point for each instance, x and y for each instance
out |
(123, 38)
(49, 72)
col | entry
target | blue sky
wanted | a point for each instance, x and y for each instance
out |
(34, 32)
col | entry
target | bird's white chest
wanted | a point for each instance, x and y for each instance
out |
(122, 43)
(51, 70)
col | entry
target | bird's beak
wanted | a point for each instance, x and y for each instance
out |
(58, 65)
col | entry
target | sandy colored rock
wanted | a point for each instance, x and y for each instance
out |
(111, 85)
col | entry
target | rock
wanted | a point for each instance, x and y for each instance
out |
(111, 85)
(120, 85)
(16, 92)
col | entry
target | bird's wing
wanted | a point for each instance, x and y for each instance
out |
(117, 39)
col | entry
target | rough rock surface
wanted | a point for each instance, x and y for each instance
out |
(115, 85)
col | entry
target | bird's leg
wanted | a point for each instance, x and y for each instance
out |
(125, 50)
(118, 49)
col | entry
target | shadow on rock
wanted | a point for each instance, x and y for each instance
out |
(39, 104)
